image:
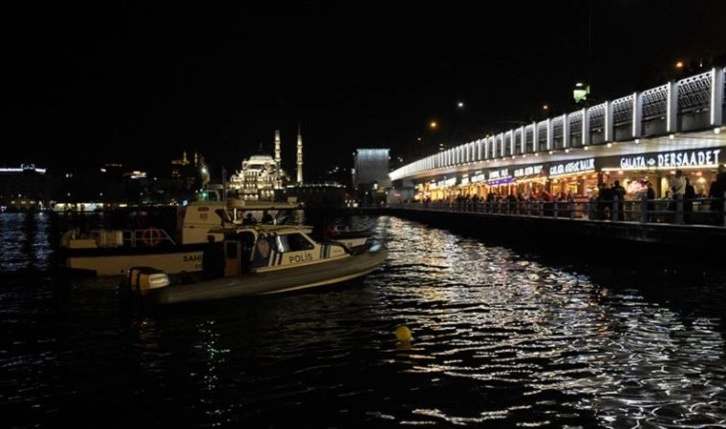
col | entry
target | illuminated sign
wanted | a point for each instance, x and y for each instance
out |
(498, 174)
(23, 167)
(478, 178)
(686, 158)
(573, 167)
(528, 171)
(501, 181)
(464, 181)
(446, 182)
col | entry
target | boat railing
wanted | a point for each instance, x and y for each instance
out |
(149, 237)
(78, 238)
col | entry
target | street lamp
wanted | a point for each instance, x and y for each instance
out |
(443, 134)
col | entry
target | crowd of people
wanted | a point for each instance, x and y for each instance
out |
(614, 202)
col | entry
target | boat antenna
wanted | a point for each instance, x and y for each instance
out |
(224, 185)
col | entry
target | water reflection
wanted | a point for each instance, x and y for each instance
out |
(501, 338)
(24, 241)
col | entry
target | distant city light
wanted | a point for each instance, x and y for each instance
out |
(23, 167)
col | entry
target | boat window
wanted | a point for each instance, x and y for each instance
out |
(293, 243)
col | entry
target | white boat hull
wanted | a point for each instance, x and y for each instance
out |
(272, 282)
(115, 265)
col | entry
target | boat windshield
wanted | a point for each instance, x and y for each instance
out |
(292, 243)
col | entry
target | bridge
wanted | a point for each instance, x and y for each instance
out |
(638, 138)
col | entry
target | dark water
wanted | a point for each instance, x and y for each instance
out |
(501, 339)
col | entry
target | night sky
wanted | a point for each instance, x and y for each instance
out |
(137, 82)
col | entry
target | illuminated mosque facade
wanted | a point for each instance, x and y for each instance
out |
(261, 177)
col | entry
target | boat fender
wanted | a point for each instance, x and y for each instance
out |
(151, 237)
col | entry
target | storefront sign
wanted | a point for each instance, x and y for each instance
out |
(478, 178)
(686, 158)
(447, 182)
(464, 181)
(573, 167)
(501, 181)
(498, 174)
(528, 171)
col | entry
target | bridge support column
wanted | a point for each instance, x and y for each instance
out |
(565, 131)
(608, 121)
(672, 108)
(717, 96)
(585, 126)
(637, 115)
(522, 141)
(550, 145)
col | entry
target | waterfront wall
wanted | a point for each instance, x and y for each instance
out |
(593, 237)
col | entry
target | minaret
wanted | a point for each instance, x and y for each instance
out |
(277, 155)
(299, 156)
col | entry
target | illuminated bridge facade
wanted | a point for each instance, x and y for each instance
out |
(638, 138)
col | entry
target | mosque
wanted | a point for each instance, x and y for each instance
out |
(261, 177)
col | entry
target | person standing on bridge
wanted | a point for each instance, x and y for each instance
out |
(650, 196)
(688, 197)
(618, 194)
(677, 184)
(716, 194)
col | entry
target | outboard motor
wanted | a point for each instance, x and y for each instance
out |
(140, 281)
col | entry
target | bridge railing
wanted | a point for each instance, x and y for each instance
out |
(697, 211)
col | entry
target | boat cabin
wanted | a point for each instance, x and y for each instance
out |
(198, 218)
(266, 248)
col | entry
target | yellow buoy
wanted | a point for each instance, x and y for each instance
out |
(403, 334)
